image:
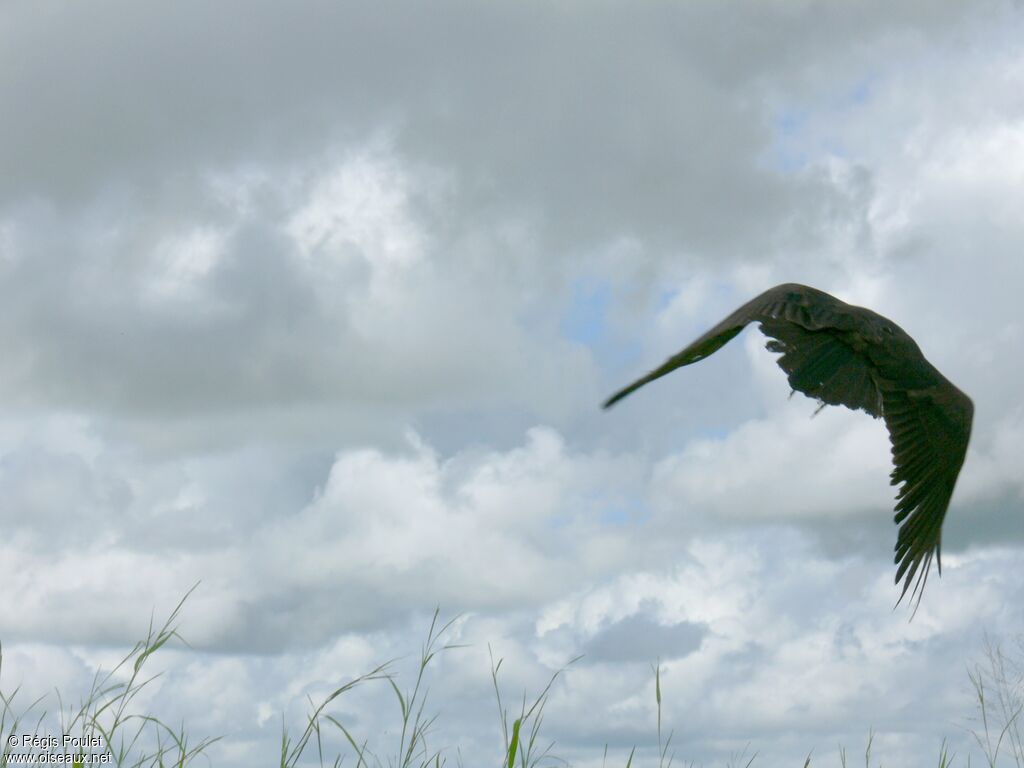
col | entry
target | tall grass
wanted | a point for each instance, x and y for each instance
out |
(138, 739)
(131, 739)
(998, 684)
(526, 749)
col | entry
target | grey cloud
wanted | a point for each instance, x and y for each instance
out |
(88, 329)
(615, 121)
(640, 638)
(540, 138)
(65, 500)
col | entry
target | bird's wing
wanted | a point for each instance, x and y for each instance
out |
(929, 430)
(827, 364)
(701, 348)
(815, 334)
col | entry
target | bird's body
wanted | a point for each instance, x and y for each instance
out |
(841, 354)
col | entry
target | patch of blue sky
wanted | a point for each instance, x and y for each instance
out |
(713, 432)
(621, 513)
(861, 91)
(616, 516)
(665, 299)
(790, 151)
(616, 510)
(800, 132)
(585, 319)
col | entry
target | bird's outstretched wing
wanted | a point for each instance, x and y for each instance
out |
(846, 355)
(813, 331)
(929, 430)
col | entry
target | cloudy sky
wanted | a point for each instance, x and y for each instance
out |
(315, 304)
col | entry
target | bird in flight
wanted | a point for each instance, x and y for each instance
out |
(841, 354)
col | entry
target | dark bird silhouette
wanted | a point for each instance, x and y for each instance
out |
(840, 354)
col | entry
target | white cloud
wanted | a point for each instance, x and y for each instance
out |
(184, 262)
